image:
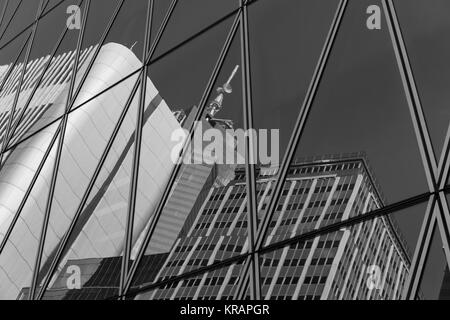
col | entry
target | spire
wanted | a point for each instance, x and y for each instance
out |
(217, 103)
(133, 45)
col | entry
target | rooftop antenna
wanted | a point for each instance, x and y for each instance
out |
(133, 45)
(227, 86)
(216, 104)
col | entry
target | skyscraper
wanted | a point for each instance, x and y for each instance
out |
(339, 265)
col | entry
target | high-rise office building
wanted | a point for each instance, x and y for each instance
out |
(367, 261)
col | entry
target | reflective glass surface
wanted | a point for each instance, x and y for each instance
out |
(214, 149)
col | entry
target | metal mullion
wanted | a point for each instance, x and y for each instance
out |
(444, 163)
(2, 16)
(63, 243)
(443, 224)
(96, 52)
(422, 249)
(147, 55)
(255, 288)
(13, 66)
(412, 96)
(300, 123)
(244, 280)
(19, 85)
(63, 125)
(436, 174)
(177, 168)
(184, 276)
(137, 151)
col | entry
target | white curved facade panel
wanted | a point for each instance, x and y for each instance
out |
(100, 232)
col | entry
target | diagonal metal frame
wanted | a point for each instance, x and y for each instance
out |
(5, 78)
(67, 235)
(436, 173)
(14, 64)
(298, 129)
(430, 166)
(70, 102)
(250, 175)
(64, 241)
(174, 174)
(48, 208)
(113, 17)
(128, 239)
(8, 135)
(422, 247)
(36, 86)
(43, 14)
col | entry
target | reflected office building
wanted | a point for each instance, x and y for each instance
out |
(205, 218)
(334, 266)
(102, 195)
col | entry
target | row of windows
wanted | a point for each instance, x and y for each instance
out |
(325, 168)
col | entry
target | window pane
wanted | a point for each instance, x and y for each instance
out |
(426, 28)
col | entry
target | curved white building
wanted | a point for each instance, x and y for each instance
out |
(101, 227)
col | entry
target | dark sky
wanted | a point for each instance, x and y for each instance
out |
(360, 105)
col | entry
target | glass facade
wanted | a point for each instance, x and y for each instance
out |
(211, 149)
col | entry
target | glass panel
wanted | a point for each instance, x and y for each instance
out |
(125, 38)
(9, 53)
(45, 85)
(115, 61)
(19, 15)
(189, 18)
(369, 260)
(283, 56)
(204, 219)
(96, 242)
(360, 106)
(425, 28)
(18, 256)
(435, 281)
